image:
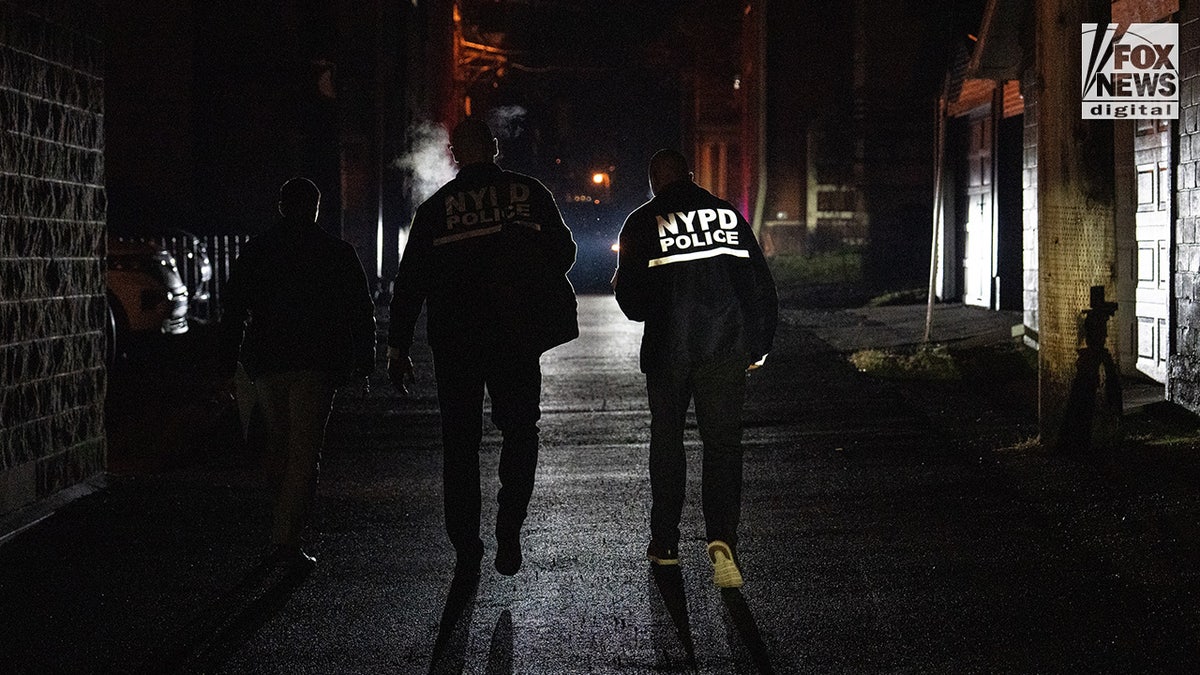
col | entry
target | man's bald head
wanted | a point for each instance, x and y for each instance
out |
(667, 166)
(299, 198)
(472, 142)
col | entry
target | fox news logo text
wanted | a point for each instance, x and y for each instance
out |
(1132, 75)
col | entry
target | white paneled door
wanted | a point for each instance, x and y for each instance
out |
(1152, 262)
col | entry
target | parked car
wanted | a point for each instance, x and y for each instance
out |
(195, 268)
(145, 291)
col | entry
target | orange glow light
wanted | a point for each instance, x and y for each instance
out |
(597, 178)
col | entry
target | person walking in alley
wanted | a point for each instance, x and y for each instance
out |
(298, 314)
(690, 268)
(488, 256)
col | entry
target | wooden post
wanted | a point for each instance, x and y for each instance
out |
(1076, 236)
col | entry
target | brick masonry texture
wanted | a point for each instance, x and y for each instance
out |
(1183, 378)
(52, 234)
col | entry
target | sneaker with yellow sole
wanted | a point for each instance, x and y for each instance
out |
(725, 570)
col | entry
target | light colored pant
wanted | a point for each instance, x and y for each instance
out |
(295, 407)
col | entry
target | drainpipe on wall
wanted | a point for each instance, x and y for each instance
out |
(939, 160)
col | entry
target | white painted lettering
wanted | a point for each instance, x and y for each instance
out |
(667, 225)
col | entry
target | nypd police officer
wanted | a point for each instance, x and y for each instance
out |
(690, 268)
(487, 257)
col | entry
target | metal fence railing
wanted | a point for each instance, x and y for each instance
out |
(223, 250)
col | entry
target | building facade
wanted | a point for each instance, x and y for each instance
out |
(52, 229)
(1132, 228)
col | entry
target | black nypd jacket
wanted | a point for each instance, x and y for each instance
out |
(297, 299)
(690, 267)
(487, 255)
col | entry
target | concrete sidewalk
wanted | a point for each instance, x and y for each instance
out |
(952, 324)
(849, 330)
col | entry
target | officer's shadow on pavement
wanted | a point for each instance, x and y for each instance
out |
(672, 600)
(454, 633)
(500, 653)
(454, 629)
(220, 627)
(743, 623)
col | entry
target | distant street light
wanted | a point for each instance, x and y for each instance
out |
(601, 180)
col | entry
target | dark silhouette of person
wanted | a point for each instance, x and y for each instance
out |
(487, 255)
(298, 314)
(1092, 417)
(690, 268)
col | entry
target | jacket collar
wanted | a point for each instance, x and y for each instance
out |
(478, 169)
(678, 187)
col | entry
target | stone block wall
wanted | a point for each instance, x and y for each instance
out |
(1183, 378)
(52, 238)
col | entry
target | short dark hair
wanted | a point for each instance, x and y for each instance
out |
(473, 132)
(298, 195)
(668, 166)
(670, 162)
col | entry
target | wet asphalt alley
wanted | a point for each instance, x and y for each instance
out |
(883, 530)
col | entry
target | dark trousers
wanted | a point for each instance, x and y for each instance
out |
(718, 389)
(514, 383)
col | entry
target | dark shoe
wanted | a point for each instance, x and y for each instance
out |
(291, 556)
(508, 555)
(662, 555)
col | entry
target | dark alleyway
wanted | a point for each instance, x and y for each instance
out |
(887, 526)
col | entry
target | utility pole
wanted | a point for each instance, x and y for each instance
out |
(1076, 233)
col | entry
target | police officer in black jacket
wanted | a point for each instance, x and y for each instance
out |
(691, 269)
(297, 313)
(487, 256)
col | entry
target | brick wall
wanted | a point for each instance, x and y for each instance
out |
(1184, 363)
(52, 206)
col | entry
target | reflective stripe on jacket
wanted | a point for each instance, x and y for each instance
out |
(691, 269)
